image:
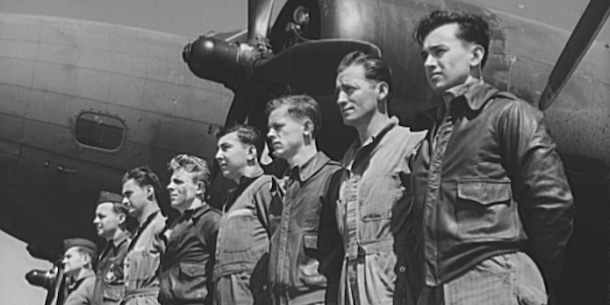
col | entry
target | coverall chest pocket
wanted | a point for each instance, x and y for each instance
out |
(238, 231)
(485, 210)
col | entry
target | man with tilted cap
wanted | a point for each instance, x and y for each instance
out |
(80, 256)
(110, 222)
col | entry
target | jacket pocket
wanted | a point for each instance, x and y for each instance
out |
(485, 210)
(191, 282)
(191, 270)
(238, 231)
(114, 293)
(308, 263)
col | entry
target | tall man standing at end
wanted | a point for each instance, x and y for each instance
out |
(488, 183)
(372, 206)
(294, 260)
(141, 189)
(185, 271)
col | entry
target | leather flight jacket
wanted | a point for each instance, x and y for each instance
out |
(487, 180)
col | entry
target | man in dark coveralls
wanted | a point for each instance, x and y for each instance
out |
(488, 183)
(294, 259)
(111, 224)
(185, 271)
(79, 262)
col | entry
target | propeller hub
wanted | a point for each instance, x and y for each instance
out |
(214, 59)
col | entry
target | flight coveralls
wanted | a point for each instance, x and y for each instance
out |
(142, 262)
(185, 270)
(294, 259)
(110, 278)
(372, 213)
(488, 185)
(250, 214)
(81, 291)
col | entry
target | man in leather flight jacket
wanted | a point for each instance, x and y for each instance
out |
(488, 184)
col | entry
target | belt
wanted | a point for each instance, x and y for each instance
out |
(363, 249)
(140, 292)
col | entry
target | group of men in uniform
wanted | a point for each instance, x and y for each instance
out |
(469, 206)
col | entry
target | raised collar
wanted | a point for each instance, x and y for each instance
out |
(473, 95)
(245, 181)
(310, 167)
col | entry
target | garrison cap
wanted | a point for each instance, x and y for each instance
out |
(79, 242)
(109, 197)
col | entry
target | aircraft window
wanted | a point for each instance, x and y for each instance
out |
(99, 131)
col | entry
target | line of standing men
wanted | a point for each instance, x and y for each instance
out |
(473, 209)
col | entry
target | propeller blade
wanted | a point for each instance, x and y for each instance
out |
(311, 66)
(579, 42)
(240, 107)
(259, 17)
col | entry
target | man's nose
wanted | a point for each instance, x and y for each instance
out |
(271, 134)
(341, 98)
(430, 62)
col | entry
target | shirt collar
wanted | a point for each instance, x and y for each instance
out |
(196, 212)
(88, 273)
(116, 243)
(393, 122)
(310, 167)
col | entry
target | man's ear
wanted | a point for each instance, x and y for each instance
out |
(200, 187)
(251, 153)
(122, 218)
(150, 192)
(383, 90)
(477, 52)
(308, 127)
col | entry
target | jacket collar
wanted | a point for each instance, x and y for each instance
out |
(309, 168)
(196, 212)
(474, 95)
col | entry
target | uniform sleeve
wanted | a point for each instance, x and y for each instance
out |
(539, 184)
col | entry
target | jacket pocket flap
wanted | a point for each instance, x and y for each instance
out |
(310, 241)
(192, 270)
(113, 293)
(484, 192)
